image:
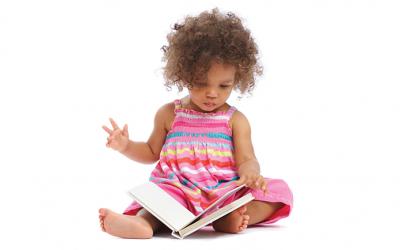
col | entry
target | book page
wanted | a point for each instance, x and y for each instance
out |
(163, 206)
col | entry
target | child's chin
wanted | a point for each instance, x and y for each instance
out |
(209, 108)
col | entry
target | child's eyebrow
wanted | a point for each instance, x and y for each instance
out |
(223, 82)
(227, 81)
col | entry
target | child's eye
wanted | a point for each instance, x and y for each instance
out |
(225, 86)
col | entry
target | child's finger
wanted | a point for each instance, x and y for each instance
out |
(265, 191)
(254, 183)
(259, 181)
(109, 131)
(125, 130)
(114, 124)
(264, 187)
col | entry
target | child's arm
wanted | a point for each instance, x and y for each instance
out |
(149, 152)
(246, 161)
(145, 152)
(140, 152)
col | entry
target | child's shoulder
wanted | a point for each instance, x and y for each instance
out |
(167, 108)
(165, 115)
(238, 120)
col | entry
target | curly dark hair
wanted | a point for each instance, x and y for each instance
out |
(195, 43)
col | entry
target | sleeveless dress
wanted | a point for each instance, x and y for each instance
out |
(197, 164)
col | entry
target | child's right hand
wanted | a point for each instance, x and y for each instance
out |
(118, 139)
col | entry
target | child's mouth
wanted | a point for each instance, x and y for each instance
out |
(208, 104)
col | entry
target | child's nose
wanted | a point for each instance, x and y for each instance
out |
(211, 93)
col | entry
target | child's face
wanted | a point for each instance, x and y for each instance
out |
(212, 93)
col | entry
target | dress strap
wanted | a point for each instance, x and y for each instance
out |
(230, 112)
(178, 104)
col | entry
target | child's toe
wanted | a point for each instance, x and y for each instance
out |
(102, 212)
(243, 227)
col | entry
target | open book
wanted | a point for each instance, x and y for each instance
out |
(178, 218)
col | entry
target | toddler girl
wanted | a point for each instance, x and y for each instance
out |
(201, 144)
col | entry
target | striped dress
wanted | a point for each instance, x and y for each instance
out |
(197, 164)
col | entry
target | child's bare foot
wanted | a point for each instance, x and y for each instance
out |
(124, 226)
(233, 222)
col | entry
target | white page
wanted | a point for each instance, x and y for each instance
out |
(162, 205)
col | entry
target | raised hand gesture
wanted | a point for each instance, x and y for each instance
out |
(118, 139)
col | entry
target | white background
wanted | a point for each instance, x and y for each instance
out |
(325, 117)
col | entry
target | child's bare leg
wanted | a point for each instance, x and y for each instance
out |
(141, 226)
(261, 210)
(252, 213)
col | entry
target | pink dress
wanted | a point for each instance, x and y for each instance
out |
(197, 164)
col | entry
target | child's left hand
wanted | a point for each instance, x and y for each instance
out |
(252, 179)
